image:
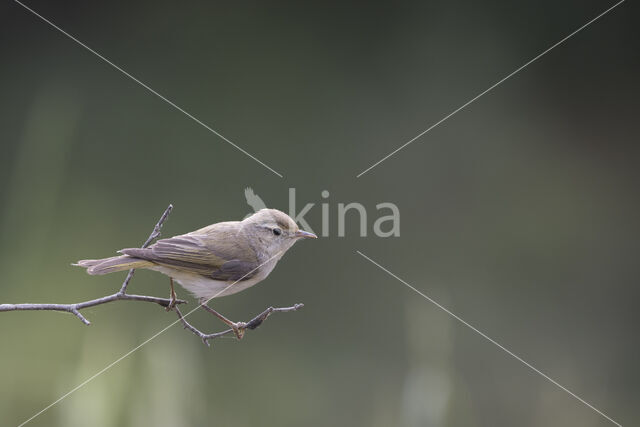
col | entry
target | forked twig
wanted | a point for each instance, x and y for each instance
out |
(252, 324)
(121, 295)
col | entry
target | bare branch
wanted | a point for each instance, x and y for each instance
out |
(121, 295)
(169, 304)
(154, 234)
(252, 324)
(69, 308)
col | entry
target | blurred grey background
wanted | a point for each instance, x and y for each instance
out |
(520, 213)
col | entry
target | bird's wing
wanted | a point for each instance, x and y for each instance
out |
(236, 270)
(217, 251)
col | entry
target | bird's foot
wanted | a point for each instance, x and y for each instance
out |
(172, 303)
(239, 329)
(173, 298)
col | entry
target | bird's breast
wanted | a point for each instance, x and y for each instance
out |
(205, 287)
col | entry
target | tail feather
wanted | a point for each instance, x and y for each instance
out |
(113, 264)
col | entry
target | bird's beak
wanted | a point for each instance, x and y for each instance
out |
(306, 234)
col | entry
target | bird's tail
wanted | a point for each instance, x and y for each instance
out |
(113, 264)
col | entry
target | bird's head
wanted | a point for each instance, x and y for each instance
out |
(273, 231)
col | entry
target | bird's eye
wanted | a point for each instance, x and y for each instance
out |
(277, 231)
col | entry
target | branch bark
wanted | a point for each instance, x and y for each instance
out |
(251, 324)
(121, 295)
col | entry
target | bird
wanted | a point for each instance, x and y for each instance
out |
(218, 260)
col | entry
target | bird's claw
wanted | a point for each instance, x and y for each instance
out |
(171, 305)
(239, 329)
(173, 301)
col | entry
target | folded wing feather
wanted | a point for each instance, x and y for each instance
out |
(201, 252)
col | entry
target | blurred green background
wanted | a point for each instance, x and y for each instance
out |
(520, 213)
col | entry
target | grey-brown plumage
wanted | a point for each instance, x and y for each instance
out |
(217, 260)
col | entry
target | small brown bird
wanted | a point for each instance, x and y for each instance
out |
(218, 260)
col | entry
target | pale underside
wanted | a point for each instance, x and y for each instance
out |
(203, 287)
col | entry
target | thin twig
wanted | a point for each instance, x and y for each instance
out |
(121, 295)
(251, 324)
(154, 234)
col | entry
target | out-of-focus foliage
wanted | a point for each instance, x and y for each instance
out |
(519, 213)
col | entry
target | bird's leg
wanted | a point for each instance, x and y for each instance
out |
(172, 296)
(238, 327)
